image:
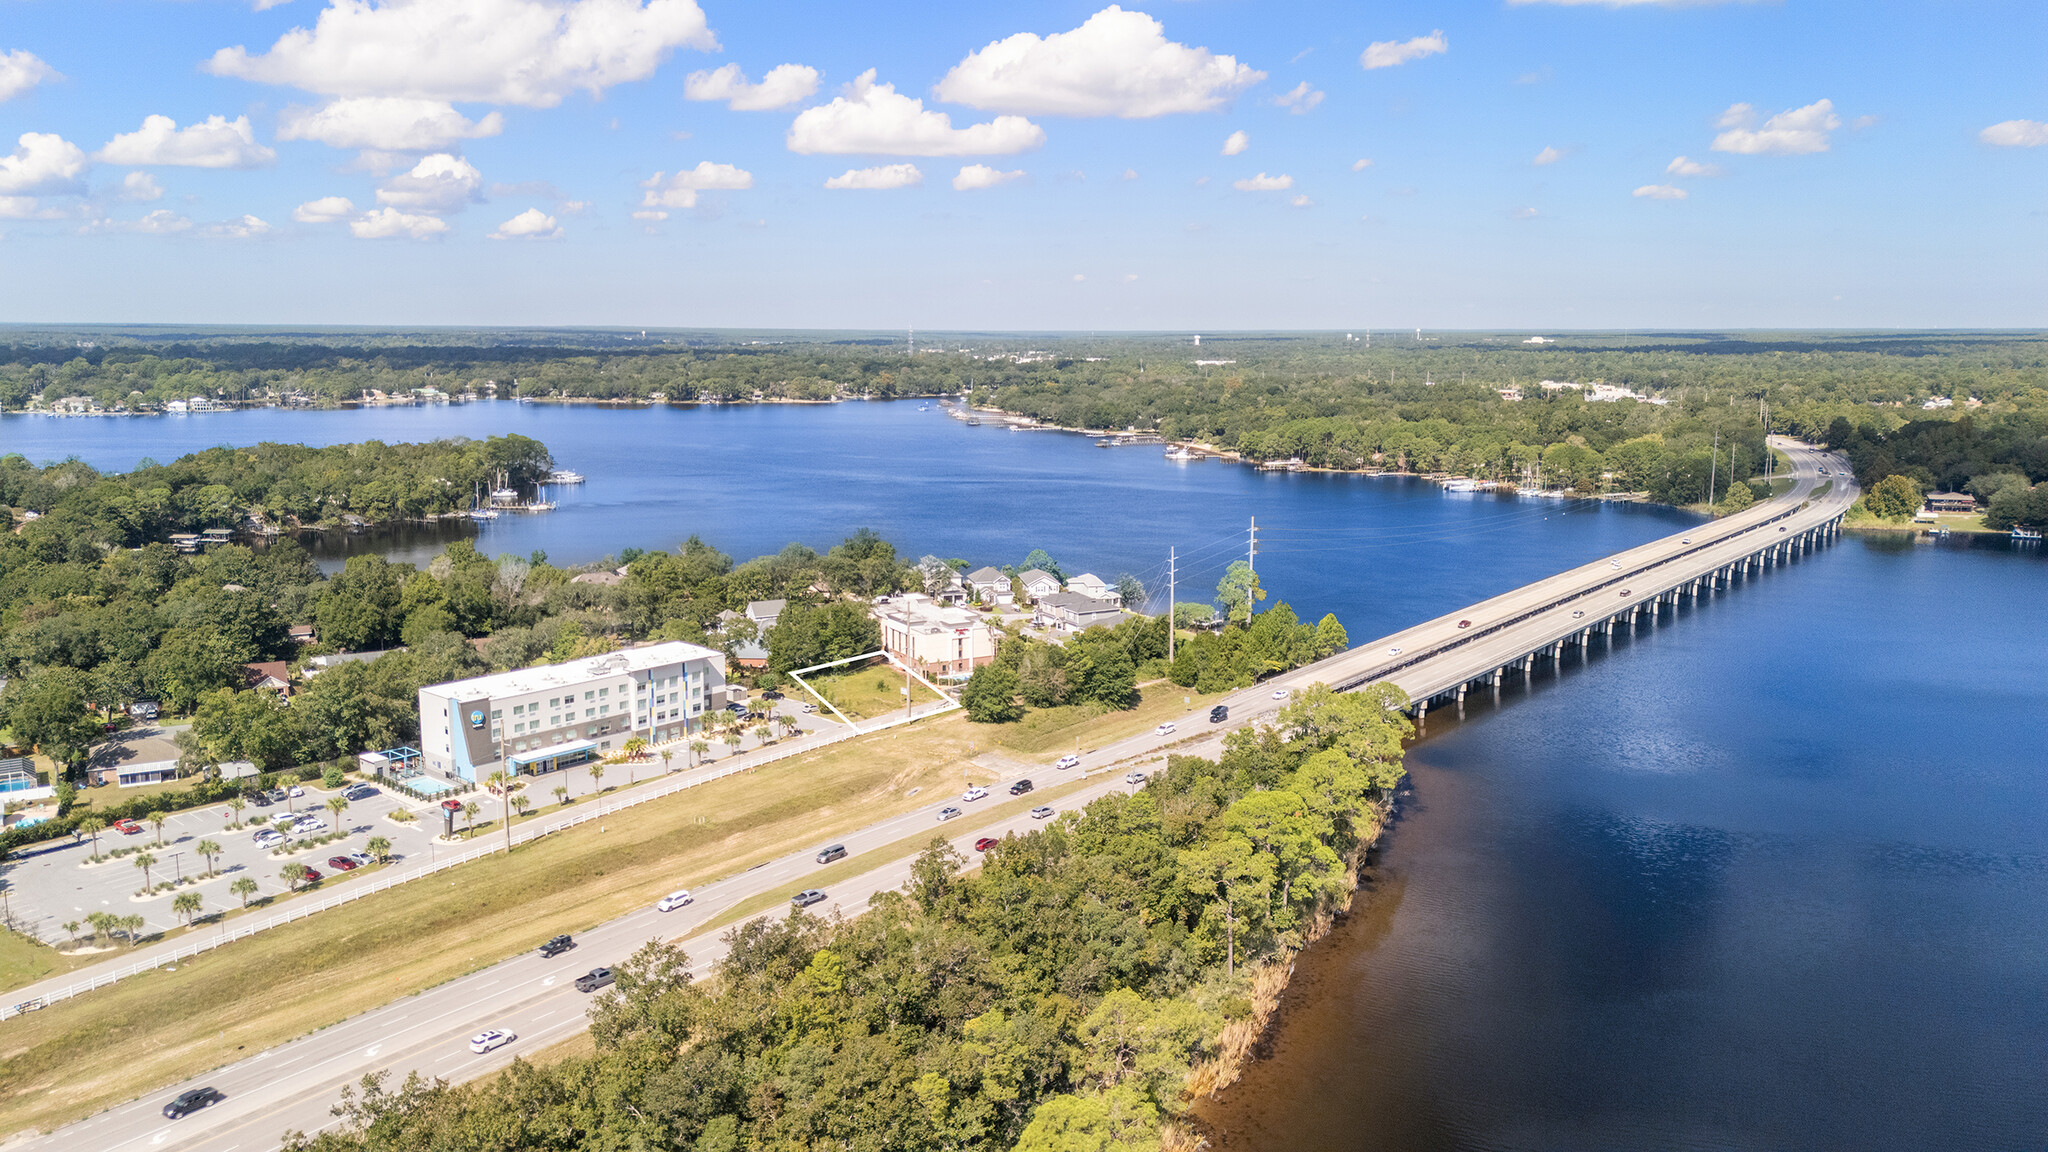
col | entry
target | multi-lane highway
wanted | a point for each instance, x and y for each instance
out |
(293, 1086)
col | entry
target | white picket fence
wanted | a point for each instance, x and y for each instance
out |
(597, 809)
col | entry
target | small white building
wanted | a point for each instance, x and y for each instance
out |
(555, 715)
(949, 643)
(989, 585)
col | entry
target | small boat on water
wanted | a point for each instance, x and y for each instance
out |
(483, 513)
(564, 476)
(1461, 485)
(2027, 535)
(1181, 453)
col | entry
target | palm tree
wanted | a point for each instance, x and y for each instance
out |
(186, 906)
(71, 928)
(789, 724)
(596, 776)
(235, 805)
(761, 733)
(379, 847)
(156, 820)
(667, 754)
(144, 861)
(208, 849)
(336, 805)
(503, 786)
(292, 874)
(733, 740)
(132, 925)
(469, 810)
(561, 793)
(244, 887)
(698, 748)
(92, 826)
(520, 803)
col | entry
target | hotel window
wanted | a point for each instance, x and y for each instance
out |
(590, 695)
(589, 712)
(603, 692)
(497, 713)
(554, 721)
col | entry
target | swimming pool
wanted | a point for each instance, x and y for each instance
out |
(429, 786)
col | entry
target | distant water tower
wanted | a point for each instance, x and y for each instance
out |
(1198, 340)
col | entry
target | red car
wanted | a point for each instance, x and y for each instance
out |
(127, 827)
(341, 863)
(1464, 623)
(986, 843)
(313, 876)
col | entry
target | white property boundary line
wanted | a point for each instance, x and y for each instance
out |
(650, 791)
(798, 676)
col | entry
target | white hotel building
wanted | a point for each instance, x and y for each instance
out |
(554, 715)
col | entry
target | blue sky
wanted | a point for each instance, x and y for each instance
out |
(542, 162)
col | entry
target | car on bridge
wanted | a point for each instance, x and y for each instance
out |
(1394, 651)
(490, 1039)
(1624, 591)
(594, 979)
(187, 1102)
(1576, 614)
(1464, 623)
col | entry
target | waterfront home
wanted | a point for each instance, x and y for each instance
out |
(1958, 502)
(988, 585)
(1075, 612)
(764, 613)
(1038, 584)
(937, 640)
(1093, 586)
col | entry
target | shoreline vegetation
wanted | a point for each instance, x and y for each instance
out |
(1677, 418)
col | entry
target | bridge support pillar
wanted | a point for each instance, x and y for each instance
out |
(1421, 710)
(1497, 674)
(1529, 664)
(1461, 693)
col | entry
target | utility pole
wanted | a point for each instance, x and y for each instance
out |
(1172, 561)
(1251, 555)
(1713, 463)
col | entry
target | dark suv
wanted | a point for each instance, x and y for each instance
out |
(557, 946)
(594, 979)
(185, 1103)
(1218, 714)
(1020, 787)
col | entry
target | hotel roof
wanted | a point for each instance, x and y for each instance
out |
(542, 677)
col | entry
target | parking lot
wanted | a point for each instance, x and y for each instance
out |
(49, 885)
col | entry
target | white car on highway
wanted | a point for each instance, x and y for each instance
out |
(1165, 729)
(489, 1039)
(1068, 761)
(674, 900)
(1134, 777)
(1280, 693)
(975, 793)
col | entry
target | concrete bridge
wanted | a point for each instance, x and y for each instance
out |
(1511, 634)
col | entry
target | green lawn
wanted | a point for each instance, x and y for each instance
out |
(1055, 731)
(867, 694)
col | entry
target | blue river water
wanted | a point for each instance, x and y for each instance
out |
(1772, 874)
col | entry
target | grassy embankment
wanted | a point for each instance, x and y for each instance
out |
(83, 1055)
(867, 694)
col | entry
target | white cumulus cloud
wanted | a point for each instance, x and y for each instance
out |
(438, 183)
(1685, 166)
(20, 71)
(325, 210)
(877, 179)
(385, 223)
(1547, 156)
(975, 176)
(680, 190)
(1116, 63)
(239, 229)
(216, 142)
(1301, 201)
(140, 186)
(785, 84)
(2016, 134)
(526, 52)
(1360, 164)
(1659, 192)
(387, 123)
(162, 222)
(532, 224)
(1794, 133)
(1388, 53)
(1236, 142)
(1299, 99)
(42, 163)
(875, 118)
(1264, 183)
